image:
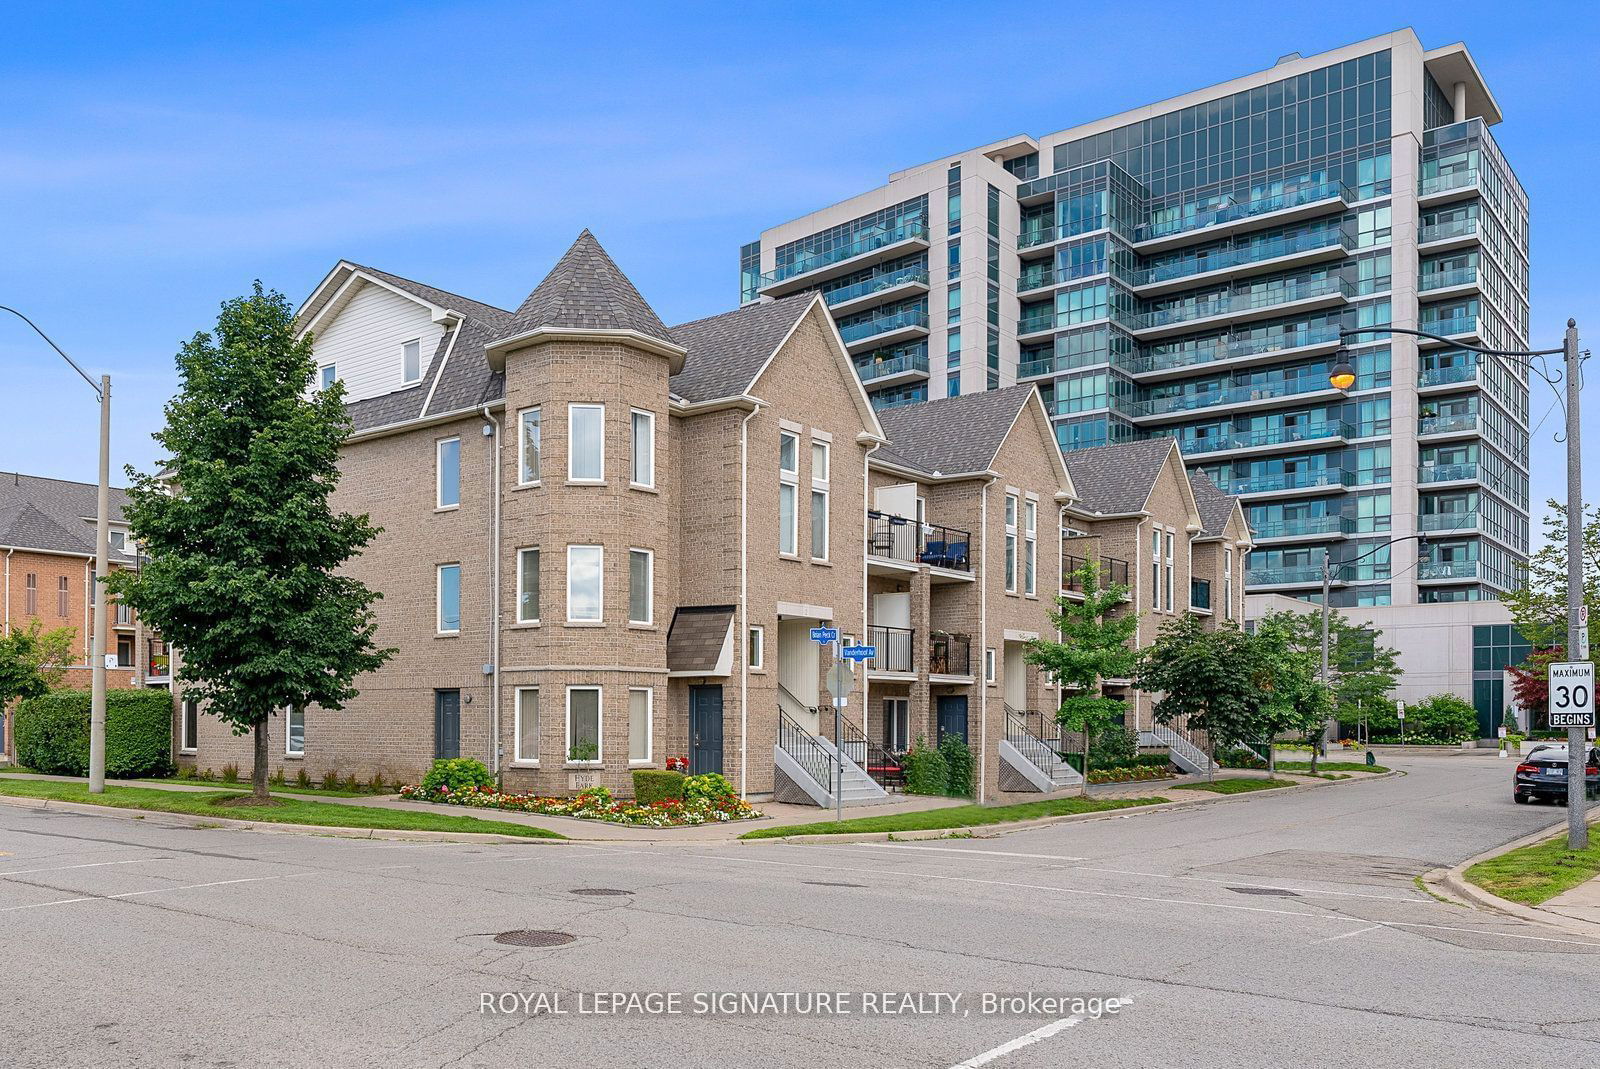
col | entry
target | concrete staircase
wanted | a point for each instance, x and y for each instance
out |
(1184, 753)
(1032, 758)
(809, 764)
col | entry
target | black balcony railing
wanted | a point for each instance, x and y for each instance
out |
(1200, 594)
(896, 648)
(949, 655)
(898, 538)
(1113, 572)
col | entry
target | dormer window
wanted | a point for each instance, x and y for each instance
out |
(411, 362)
(329, 376)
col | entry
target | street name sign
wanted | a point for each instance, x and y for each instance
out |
(859, 653)
(1572, 695)
(824, 634)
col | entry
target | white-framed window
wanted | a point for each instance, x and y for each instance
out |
(988, 665)
(1030, 547)
(1155, 569)
(1227, 582)
(897, 724)
(411, 362)
(528, 585)
(755, 648)
(525, 729)
(1170, 539)
(644, 449)
(117, 540)
(641, 586)
(294, 733)
(640, 700)
(189, 728)
(583, 726)
(585, 584)
(528, 447)
(1011, 543)
(448, 598)
(820, 458)
(586, 443)
(329, 376)
(447, 473)
(788, 493)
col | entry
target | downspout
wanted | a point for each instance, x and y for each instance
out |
(866, 537)
(492, 428)
(1138, 609)
(9, 550)
(744, 601)
(983, 653)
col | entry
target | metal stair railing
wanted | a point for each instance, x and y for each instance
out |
(1181, 744)
(1039, 753)
(795, 707)
(807, 751)
(885, 769)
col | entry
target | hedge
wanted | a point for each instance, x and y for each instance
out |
(652, 785)
(52, 733)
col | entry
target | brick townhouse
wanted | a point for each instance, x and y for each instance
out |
(47, 575)
(606, 541)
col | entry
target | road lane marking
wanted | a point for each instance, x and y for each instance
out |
(91, 865)
(1053, 1028)
(1337, 917)
(152, 891)
(1150, 875)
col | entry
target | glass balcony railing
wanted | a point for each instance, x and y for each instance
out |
(1034, 323)
(1438, 280)
(883, 324)
(1305, 432)
(1465, 421)
(876, 284)
(1282, 576)
(1231, 395)
(1444, 473)
(1225, 348)
(867, 242)
(1300, 526)
(1234, 303)
(1042, 236)
(1237, 255)
(1034, 279)
(1448, 569)
(1291, 480)
(1242, 209)
(1443, 376)
(872, 370)
(1442, 183)
(1462, 324)
(1455, 228)
(1448, 521)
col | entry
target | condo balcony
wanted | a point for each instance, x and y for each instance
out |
(1459, 278)
(1278, 482)
(1302, 576)
(1254, 255)
(885, 329)
(896, 649)
(1448, 570)
(878, 288)
(1463, 423)
(1159, 359)
(1446, 473)
(1244, 394)
(1330, 526)
(1238, 213)
(1036, 276)
(1113, 572)
(1442, 187)
(899, 544)
(1455, 326)
(875, 245)
(1439, 236)
(949, 654)
(1465, 522)
(1447, 376)
(886, 369)
(1307, 293)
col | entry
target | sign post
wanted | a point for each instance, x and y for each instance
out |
(841, 681)
(1400, 712)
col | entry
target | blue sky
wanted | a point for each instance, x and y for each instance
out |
(152, 165)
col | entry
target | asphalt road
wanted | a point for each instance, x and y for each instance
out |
(1262, 931)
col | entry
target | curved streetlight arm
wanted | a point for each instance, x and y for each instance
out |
(1450, 341)
(92, 384)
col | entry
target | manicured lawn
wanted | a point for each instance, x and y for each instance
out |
(1539, 872)
(218, 785)
(292, 811)
(1331, 766)
(966, 816)
(1235, 785)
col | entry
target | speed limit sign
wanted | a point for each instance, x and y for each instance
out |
(1572, 695)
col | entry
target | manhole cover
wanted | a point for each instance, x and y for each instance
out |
(526, 938)
(600, 891)
(1275, 892)
(831, 883)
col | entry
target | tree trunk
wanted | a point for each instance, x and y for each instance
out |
(258, 772)
(1316, 748)
(1084, 790)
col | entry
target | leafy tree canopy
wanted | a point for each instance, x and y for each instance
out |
(33, 660)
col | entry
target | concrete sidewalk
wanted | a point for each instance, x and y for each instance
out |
(1581, 903)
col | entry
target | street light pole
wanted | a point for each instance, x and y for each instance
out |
(102, 537)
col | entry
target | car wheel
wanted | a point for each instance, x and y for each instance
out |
(1520, 799)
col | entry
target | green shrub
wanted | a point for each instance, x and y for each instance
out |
(1116, 747)
(1439, 719)
(958, 761)
(330, 780)
(652, 785)
(457, 773)
(708, 787)
(277, 779)
(350, 783)
(377, 786)
(52, 733)
(302, 778)
(927, 772)
(1239, 757)
(230, 773)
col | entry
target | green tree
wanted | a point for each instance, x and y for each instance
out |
(244, 548)
(33, 660)
(1294, 696)
(1364, 671)
(1539, 603)
(1213, 680)
(1095, 645)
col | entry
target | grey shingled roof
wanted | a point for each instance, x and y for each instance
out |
(53, 514)
(1216, 505)
(1118, 478)
(952, 435)
(696, 638)
(587, 291)
(488, 313)
(728, 351)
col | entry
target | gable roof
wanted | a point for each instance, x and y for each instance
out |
(952, 435)
(1117, 479)
(587, 291)
(727, 352)
(54, 515)
(1216, 505)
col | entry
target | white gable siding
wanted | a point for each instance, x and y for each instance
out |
(364, 340)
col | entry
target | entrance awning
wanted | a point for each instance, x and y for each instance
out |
(700, 641)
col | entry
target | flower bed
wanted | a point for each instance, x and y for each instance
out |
(595, 803)
(1129, 775)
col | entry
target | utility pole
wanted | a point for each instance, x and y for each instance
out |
(1577, 737)
(102, 539)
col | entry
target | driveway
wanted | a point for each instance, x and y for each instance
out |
(1263, 930)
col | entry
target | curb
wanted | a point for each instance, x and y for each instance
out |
(993, 831)
(190, 820)
(1454, 881)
